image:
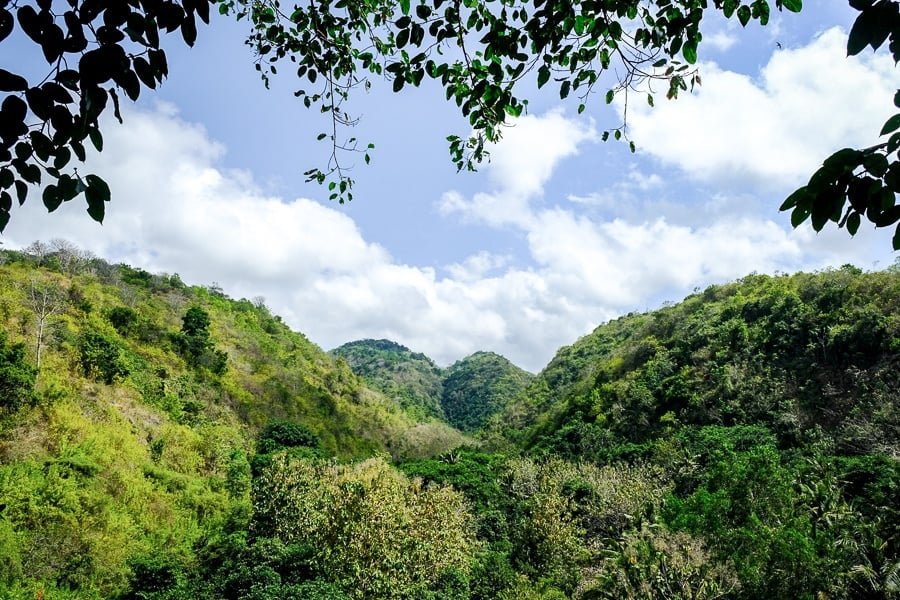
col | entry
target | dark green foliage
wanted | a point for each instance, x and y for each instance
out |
(851, 183)
(478, 387)
(100, 357)
(410, 378)
(285, 434)
(124, 319)
(571, 46)
(16, 377)
(150, 575)
(195, 344)
(474, 473)
(791, 353)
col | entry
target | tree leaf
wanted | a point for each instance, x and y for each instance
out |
(101, 189)
(853, 222)
(689, 51)
(891, 125)
(51, 197)
(793, 5)
(10, 82)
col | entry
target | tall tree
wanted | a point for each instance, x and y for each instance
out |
(45, 300)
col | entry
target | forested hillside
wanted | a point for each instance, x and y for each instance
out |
(465, 394)
(410, 378)
(478, 387)
(130, 407)
(161, 442)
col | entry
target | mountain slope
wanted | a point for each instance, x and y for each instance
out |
(800, 354)
(478, 387)
(134, 438)
(409, 378)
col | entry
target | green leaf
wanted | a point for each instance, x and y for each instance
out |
(876, 164)
(404, 6)
(10, 82)
(896, 240)
(860, 33)
(689, 51)
(798, 197)
(891, 125)
(96, 139)
(52, 198)
(543, 75)
(21, 192)
(853, 222)
(743, 15)
(4, 219)
(799, 215)
(99, 187)
(793, 5)
(729, 7)
(610, 95)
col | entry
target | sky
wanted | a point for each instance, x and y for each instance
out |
(559, 233)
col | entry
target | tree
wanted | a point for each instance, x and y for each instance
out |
(195, 344)
(16, 377)
(480, 52)
(336, 47)
(45, 301)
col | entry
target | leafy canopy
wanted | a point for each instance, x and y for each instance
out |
(479, 51)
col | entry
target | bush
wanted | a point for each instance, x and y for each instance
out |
(16, 377)
(285, 434)
(100, 357)
(124, 319)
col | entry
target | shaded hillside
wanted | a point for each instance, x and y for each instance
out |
(807, 355)
(135, 436)
(478, 387)
(409, 378)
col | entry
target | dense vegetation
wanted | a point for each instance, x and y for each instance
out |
(478, 387)
(161, 442)
(466, 394)
(410, 378)
(130, 405)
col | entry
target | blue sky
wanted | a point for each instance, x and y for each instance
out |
(559, 233)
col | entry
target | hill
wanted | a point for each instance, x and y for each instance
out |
(131, 406)
(409, 378)
(160, 441)
(478, 387)
(804, 355)
(465, 395)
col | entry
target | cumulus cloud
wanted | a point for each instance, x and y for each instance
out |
(773, 130)
(721, 40)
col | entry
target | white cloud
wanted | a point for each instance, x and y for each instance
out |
(775, 130)
(720, 40)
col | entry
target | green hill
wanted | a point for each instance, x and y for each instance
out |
(130, 407)
(409, 378)
(807, 356)
(478, 387)
(465, 395)
(160, 442)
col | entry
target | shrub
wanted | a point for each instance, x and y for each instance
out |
(16, 377)
(100, 357)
